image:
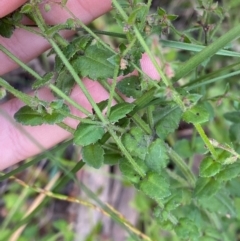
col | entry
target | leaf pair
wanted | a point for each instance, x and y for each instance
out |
(44, 115)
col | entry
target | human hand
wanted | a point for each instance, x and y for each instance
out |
(16, 141)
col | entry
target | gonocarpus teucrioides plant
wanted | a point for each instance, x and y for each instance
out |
(136, 126)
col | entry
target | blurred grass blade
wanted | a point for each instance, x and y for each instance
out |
(39, 199)
(206, 53)
(47, 154)
(209, 81)
(215, 74)
(196, 48)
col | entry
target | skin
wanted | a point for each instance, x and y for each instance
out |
(19, 142)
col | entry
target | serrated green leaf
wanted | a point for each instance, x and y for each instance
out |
(173, 201)
(120, 110)
(223, 156)
(157, 157)
(155, 185)
(45, 80)
(94, 64)
(186, 229)
(136, 142)
(27, 116)
(229, 172)
(167, 120)
(196, 115)
(209, 167)
(233, 116)
(93, 155)
(76, 47)
(127, 170)
(86, 134)
(206, 187)
(130, 86)
(6, 28)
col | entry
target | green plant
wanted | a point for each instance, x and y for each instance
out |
(141, 136)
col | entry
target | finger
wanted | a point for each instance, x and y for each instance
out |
(7, 6)
(16, 140)
(27, 46)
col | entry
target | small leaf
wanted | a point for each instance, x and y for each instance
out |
(57, 104)
(167, 120)
(157, 157)
(172, 17)
(77, 46)
(86, 134)
(120, 110)
(27, 116)
(155, 186)
(209, 167)
(136, 142)
(187, 230)
(16, 16)
(71, 24)
(223, 156)
(161, 11)
(27, 8)
(130, 86)
(196, 115)
(127, 170)
(173, 201)
(229, 172)
(45, 80)
(191, 99)
(139, 13)
(94, 63)
(206, 187)
(233, 116)
(6, 28)
(93, 155)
